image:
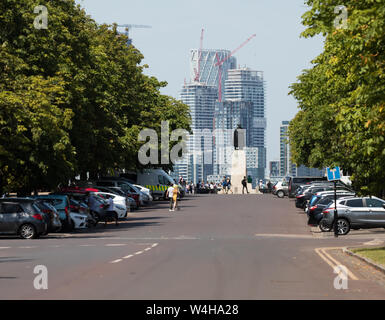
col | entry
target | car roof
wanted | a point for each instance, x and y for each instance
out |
(332, 192)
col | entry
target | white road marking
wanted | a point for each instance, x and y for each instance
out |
(116, 261)
(136, 253)
(5, 247)
(331, 261)
(27, 247)
(87, 245)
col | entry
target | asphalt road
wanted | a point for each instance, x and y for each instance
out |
(215, 247)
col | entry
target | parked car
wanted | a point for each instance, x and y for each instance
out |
(146, 191)
(124, 185)
(120, 207)
(130, 202)
(303, 198)
(281, 189)
(355, 213)
(62, 205)
(295, 182)
(319, 203)
(21, 216)
(54, 224)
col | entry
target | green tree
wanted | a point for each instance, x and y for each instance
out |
(73, 96)
(341, 99)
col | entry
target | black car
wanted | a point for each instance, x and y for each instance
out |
(302, 199)
(295, 182)
(22, 217)
(307, 193)
(319, 204)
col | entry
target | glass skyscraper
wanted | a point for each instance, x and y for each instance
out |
(197, 164)
(287, 168)
(244, 105)
(209, 73)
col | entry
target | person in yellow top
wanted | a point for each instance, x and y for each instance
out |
(175, 197)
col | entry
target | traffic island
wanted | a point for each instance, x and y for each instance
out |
(372, 256)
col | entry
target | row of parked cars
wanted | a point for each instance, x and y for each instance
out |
(79, 206)
(317, 199)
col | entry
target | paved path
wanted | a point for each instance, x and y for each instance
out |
(216, 247)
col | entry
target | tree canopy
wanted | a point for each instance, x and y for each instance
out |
(73, 97)
(341, 120)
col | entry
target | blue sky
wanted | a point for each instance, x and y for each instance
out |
(176, 26)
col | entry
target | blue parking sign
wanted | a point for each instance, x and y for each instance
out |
(334, 174)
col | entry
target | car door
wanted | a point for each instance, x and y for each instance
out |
(10, 213)
(356, 212)
(2, 219)
(375, 211)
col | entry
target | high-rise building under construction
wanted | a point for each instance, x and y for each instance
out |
(244, 105)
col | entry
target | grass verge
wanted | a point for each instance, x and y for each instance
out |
(377, 255)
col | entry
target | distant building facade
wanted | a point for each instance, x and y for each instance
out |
(274, 168)
(208, 71)
(197, 164)
(287, 168)
(244, 105)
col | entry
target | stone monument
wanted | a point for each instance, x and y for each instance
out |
(238, 165)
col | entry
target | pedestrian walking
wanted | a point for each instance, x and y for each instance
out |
(192, 187)
(229, 185)
(244, 185)
(175, 197)
(170, 194)
(269, 186)
(111, 214)
(224, 185)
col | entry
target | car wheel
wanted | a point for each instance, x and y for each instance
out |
(343, 226)
(324, 226)
(28, 231)
(280, 194)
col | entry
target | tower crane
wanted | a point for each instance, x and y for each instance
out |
(131, 26)
(220, 63)
(198, 72)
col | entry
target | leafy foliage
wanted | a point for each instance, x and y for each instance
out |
(73, 97)
(342, 98)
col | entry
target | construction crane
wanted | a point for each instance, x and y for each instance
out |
(220, 63)
(130, 26)
(198, 72)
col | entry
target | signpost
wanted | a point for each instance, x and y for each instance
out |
(334, 174)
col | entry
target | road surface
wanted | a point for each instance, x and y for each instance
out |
(215, 247)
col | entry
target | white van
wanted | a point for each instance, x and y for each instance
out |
(157, 180)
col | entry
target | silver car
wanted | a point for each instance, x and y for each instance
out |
(355, 213)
